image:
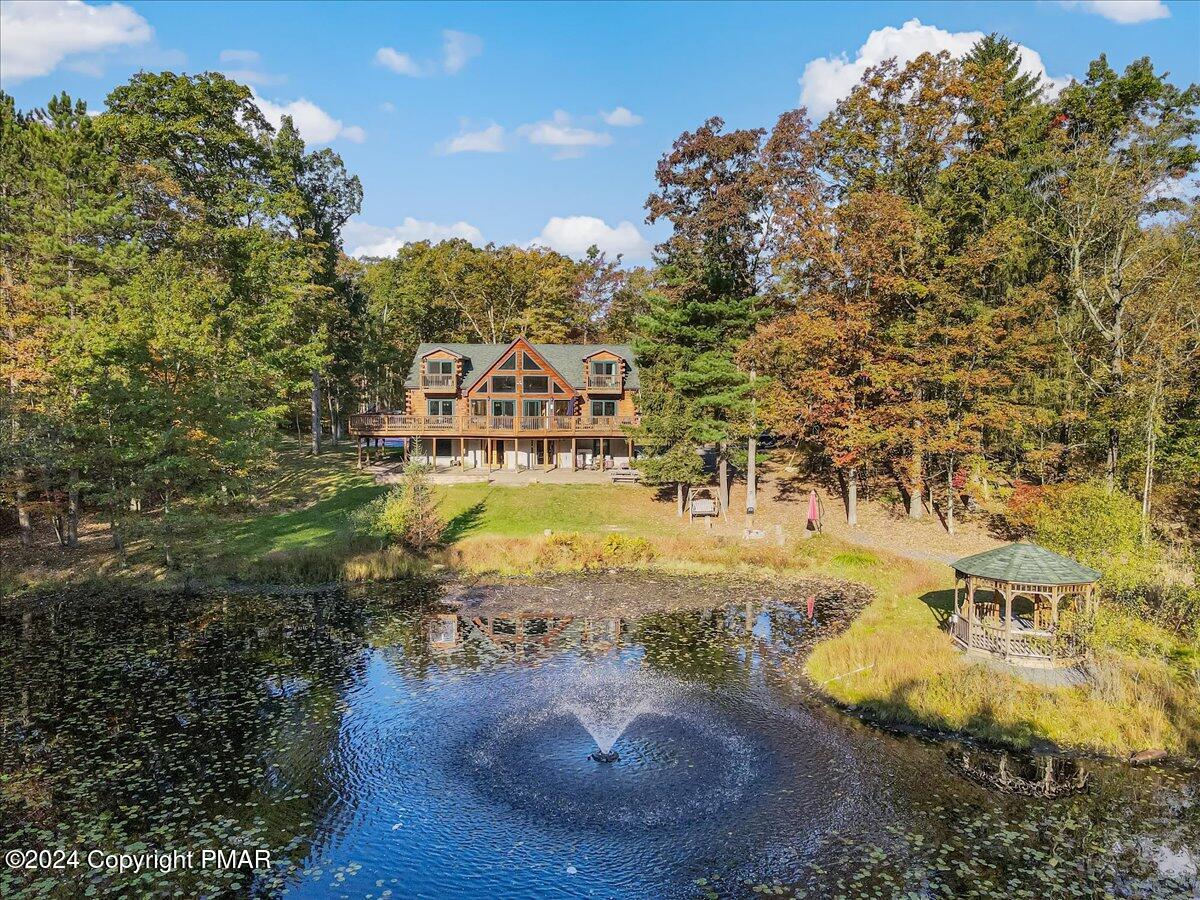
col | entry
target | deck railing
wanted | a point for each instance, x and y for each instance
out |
(402, 425)
(603, 382)
(430, 381)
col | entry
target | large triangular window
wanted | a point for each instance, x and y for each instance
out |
(510, 363)
(529, 363)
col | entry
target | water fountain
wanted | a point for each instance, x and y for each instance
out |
(606, 702)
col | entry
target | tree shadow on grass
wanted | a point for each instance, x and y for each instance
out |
(941, 604)
(905, 708)
(317, 524)
(464, 523)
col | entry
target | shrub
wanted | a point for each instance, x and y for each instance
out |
(408, 513)
(1087, 523)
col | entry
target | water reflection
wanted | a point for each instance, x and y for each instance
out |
(381, 741)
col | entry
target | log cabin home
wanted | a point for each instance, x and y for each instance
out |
(515, 406)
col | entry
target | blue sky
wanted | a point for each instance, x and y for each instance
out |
(514, 122)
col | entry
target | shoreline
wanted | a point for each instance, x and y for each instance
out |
(620, 592)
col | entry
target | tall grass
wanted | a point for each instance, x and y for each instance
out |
(898, 663)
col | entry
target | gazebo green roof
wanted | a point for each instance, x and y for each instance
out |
(1027, 563)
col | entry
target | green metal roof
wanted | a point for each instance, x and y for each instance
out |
(567, 359)
(1027, 563)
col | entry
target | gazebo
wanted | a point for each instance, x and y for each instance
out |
(1013, 598)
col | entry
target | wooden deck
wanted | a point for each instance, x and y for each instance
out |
(385, 425)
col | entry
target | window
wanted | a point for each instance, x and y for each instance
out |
(604, 367)
(503, 407)
(601, 408)
(439, 366)
(504, 384)
(558, 388)
(510, 363)
(527, 362)
(561, 407)
(533, 408)
(479, 407)
(536, 384)
(441, 407)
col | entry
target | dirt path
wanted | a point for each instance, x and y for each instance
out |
(783, 501)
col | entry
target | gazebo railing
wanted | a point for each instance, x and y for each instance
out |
(1020, 643)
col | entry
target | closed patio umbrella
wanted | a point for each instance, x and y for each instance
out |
(814, 511)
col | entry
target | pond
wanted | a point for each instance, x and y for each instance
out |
(379, 743)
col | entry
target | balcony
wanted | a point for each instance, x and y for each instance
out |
(401, 425)
(438, 382)
(603, 382)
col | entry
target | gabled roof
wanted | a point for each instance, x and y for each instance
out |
(1026, 563)
(567, 359)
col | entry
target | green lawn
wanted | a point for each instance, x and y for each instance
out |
(476, 510)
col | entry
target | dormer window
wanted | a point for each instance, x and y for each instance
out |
(603, 374)
(439, 374)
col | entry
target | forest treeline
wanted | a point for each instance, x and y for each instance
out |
(955, 283)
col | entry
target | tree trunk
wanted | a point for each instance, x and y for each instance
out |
(679, 499)
(73, 508)
(852, 498)
(26, 532)
(1110, 468)
(316, 411)
(167, 529)
(723, 475)
(1151, 446)
(335, 419)
(751, 476)
(117, 537)
(950, 496)
(915, 485)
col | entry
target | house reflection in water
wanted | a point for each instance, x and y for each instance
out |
(513, 635)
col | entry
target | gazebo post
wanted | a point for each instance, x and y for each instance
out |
(1007, 595)
(970, 606)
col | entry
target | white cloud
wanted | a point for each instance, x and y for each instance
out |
(255, 77)
(314, 124)
(388, 106)
(558, 132)
(458, 48)
(486, 140)
(245, 57)
(244, 63)
(621, 118)
(828, 79)
(400, 63)
(39, 35)
(572, 235)
(1123, 12)
(377, 240)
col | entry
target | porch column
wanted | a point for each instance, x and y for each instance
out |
(572, 453)
(462, 453)
(546, 452)
(603, 455)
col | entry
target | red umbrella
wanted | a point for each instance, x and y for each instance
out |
(814, 511)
